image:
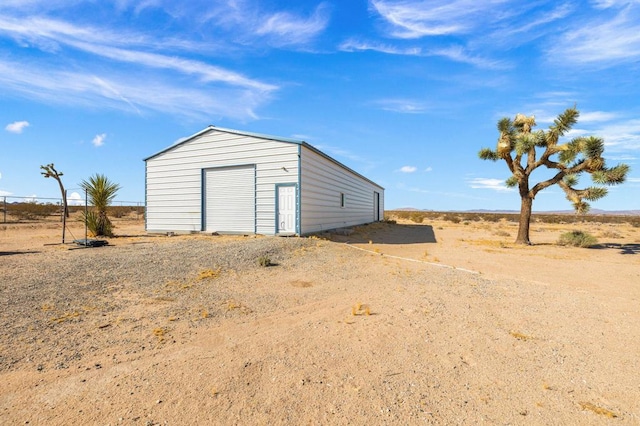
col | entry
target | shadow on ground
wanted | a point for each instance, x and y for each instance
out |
(387, 233)
(624, 248)
(12, 253)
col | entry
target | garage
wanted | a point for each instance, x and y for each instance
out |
(236, 182)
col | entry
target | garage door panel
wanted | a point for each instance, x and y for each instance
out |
(230, 199)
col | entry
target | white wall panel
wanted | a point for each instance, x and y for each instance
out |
(322, 182)
(174, 178)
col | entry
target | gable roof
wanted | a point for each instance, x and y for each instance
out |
(261, 136)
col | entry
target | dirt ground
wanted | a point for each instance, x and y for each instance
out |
(433, 323)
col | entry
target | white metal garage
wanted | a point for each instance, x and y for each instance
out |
(230, 181)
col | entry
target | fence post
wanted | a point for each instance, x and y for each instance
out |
(4, 209)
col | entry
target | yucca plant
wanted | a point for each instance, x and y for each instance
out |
(100, 193)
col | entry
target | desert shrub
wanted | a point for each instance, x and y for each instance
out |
(577, 239)
(501, 233)
(452, 218)
(264, 261)
(610, 234)
(416, 217)
(33, 210)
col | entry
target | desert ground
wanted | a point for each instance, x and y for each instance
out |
(406, 323)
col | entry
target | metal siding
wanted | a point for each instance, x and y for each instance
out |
(174, 178)
(322, 181)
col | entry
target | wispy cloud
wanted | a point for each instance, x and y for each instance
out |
(404, 106)
(621, 135)
(284, 28)
(454, 53)
(127, 92)
(488, 183)
(604, 40)
(460, 54)
(271, 28)
(17, 126)
(407, 169)
(98, 140)
(110, 75)
(417, 18)
(49, 34)
(597, 116)
(353, 45)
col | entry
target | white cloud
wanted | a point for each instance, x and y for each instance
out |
(172, 83)
(596, 116)
(352, 45)
(127, 92)
(602, 41)
(454, 53)
(487, 183)
(284, 28)
(428, 169)
(408, 169)
(460, 54)
(17, 126)
(48, 34)
(404, 106)
(98, 140)
(414, 19)
(75, 199)
(277, 29)
(4, 193)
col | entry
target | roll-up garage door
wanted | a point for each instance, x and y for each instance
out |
(230, 199)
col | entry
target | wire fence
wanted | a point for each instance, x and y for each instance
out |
(14, 209)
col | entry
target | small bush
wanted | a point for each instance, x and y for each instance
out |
(416, 217)
(264, 261)
(610, 234)
(452, 218)
(577, 239)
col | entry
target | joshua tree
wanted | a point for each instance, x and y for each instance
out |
(50, 171)
(100, 192)
(517, 143)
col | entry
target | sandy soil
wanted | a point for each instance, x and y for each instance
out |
(434, 323)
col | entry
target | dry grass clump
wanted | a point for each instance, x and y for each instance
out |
(208, 274)
(520, 336)
(577, 239)
(598, 410)
(360, 309)
(611, 234)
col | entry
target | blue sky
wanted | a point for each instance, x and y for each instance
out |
(404, 91)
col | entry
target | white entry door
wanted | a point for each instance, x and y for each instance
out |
(286, 214)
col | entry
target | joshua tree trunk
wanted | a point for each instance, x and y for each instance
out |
(525, 219)
(50, 171)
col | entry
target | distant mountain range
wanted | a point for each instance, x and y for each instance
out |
(592, 212)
